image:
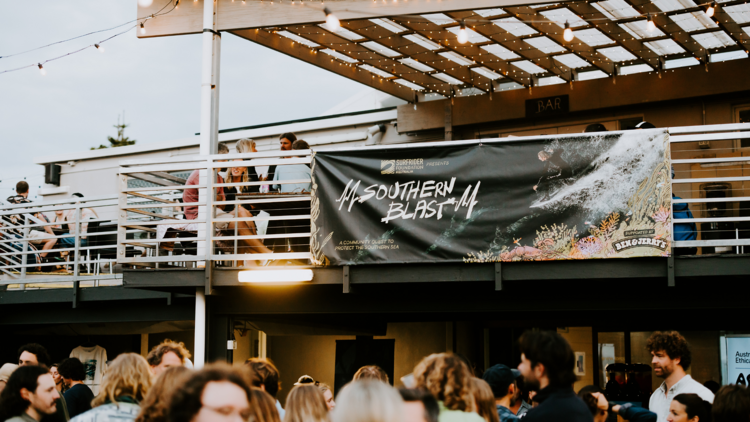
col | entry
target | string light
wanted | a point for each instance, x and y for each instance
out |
(711, 9)
(41, 69)
(100, 48)
(650, 24)
(332, 22)
(463, 36)
(567, 33)
(143, 28)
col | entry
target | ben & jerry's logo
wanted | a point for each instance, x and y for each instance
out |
(401, 166)
(641, 241)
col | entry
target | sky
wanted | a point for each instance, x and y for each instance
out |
(155, 82)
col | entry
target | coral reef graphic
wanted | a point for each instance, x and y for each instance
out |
(647, 214)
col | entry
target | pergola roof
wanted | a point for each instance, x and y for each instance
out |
(513, 47)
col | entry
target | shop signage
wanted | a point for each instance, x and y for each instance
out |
(738, 360)
(585, 196)
(548, 106)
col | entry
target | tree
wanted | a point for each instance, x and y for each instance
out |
(121, 139)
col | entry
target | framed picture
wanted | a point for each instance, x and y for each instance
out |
(580, 368)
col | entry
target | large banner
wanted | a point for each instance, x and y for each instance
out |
(600, 195)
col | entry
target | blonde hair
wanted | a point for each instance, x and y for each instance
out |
(305, 403)
(371, 372)
(154, 406)
(129, 375)
(264, 407)
(368, 400)
(244, 145)
(485, 400)
(447, 378)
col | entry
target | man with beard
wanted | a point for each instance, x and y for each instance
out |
(502, 381)
(547, 363)
(29, 396)
(671, 358)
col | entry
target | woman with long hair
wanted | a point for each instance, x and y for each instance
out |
(305, 403)
(264, 407)
(155, 405)
(368, 400)
(484, 399)
(123, 388)
(447, 378)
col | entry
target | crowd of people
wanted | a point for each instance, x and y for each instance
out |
(441, 388)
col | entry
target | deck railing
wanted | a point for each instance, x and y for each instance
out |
(66, 241)
(153, 223)
(712, 176)
(243, 222)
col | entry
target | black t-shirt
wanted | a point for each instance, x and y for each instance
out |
(78, 398)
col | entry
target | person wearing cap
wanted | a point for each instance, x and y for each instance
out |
(5, 372)
(502, 381)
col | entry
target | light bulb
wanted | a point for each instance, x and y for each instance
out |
(332, 22)
(711, 9)
(567, 33)
(99, 47)
(650, 25)
(463, 36)
(41, 69)
(143, 28)
(145, 3)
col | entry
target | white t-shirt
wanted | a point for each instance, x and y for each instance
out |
(94, 360)
(661, 399)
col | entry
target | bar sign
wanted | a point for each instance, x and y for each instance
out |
(548, 106)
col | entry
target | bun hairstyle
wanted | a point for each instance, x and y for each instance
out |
(695, 406)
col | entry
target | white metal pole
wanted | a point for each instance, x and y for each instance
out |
(200, 328)
(209, 145)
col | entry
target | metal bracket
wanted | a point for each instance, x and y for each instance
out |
(76, 290)
(498, 276)
(347, 286)
(670, 271)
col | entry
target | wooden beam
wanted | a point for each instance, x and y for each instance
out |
(238, 15)
(298, 51)
(590, 95)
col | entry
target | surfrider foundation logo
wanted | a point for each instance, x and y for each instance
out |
(387, 166)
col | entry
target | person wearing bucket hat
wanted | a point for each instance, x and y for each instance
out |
(502, 381)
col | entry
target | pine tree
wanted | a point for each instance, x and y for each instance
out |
(121, 139)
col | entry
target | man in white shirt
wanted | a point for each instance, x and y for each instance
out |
(671, 358)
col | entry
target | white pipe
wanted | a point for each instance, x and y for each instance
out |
(199, 357)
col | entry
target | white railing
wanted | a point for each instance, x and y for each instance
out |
(712, 166)
(243, 222)
(65, 241)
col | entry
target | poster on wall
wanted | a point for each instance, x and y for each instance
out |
(584, 196)
(737, 360)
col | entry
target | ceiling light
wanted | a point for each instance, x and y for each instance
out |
(331, 20)
(463, 37)
(567, 33)
(711, 9)
(275, 276)
(650, 25)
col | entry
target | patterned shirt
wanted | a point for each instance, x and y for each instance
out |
(506, 415)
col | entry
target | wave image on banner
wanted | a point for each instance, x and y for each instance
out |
(587, 196)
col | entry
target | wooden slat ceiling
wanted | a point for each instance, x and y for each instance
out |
(531, 42)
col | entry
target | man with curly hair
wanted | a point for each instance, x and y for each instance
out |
(167, 353)
(671, 358)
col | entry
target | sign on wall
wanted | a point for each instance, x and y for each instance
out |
(587, 196)
(548, 106)
(737, 360)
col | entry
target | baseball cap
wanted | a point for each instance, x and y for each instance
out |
(7, 370)
(499, 377)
